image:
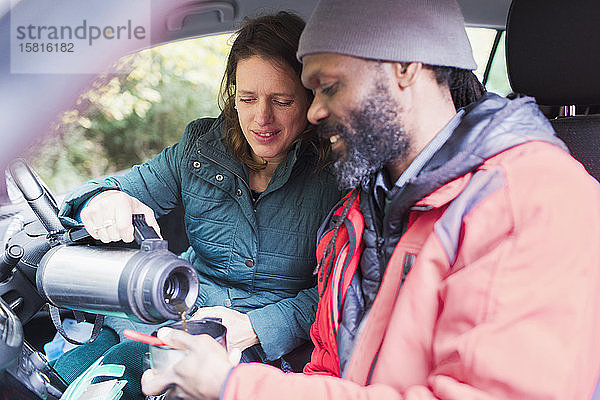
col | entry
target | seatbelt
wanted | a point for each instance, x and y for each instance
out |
(55, 316)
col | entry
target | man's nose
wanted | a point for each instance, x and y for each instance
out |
(317, 111)
(264, 113)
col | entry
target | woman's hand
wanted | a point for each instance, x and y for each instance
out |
(240, 334)
(200, 374)
(108, 216)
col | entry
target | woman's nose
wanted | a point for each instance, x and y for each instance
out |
(264, 113)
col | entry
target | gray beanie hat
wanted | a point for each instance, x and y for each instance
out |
(427, 31)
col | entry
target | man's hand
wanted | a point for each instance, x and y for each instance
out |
(240, 333)
(107, 217)
(200, 374)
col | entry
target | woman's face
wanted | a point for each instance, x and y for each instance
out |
(271, 105)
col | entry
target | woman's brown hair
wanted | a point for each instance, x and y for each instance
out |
(270, 37)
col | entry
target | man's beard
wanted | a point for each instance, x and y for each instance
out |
(373, 137)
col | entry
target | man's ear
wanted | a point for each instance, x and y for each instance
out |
(407, 73)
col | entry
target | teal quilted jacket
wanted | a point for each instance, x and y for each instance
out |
(257, 257)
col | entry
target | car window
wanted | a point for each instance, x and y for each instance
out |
(498, 76)
(129, 116)
(482, 41)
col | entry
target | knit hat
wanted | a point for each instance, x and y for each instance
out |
(427, 31)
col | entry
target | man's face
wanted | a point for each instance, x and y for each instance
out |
(355, 109)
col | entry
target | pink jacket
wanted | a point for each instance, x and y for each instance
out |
(509, 310)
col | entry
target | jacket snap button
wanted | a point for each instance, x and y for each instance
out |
(227, 303)
(249, 263)
(238, 192)
(196, 164)
(219, 177)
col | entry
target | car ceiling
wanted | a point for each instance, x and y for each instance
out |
(29, 102)
(181, 20)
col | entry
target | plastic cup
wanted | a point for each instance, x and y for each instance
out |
(162, 357)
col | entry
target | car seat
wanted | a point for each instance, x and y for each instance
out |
(553, 54)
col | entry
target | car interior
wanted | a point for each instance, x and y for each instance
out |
(551, 53)
(554, 60)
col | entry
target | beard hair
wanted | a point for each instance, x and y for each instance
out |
(373, 137)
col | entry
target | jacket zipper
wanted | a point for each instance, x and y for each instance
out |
(409, 261)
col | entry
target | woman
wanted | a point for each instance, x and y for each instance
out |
(254, 191)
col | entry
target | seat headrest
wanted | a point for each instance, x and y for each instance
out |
(553, 50)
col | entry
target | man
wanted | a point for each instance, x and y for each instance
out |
(459, 266)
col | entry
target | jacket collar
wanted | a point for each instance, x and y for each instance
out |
(446, 193)
(489, 126)
(284, 169)
(212, 146)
